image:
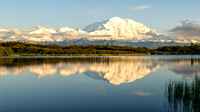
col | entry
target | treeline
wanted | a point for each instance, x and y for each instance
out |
(29, 49)
(192, 49)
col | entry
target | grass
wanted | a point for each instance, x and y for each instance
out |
(184, 96)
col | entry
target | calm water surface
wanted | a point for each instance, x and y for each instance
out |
(131, 83)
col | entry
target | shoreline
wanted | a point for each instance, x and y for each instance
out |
(135, 54)
(97, 55)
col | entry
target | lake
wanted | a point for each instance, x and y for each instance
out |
(115, 83)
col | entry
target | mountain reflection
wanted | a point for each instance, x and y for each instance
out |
(115, 70)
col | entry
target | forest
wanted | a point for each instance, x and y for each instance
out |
(30, 49)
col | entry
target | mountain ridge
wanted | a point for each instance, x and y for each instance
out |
(122, 31)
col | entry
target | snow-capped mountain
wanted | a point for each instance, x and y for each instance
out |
(121, 28)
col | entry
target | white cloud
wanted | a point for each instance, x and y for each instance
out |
(16, 31)
(141, 7)
(187, 30)
(140, 93)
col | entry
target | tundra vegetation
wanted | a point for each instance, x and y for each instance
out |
(31, 49)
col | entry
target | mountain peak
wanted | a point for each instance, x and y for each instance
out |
(119, 19)
(115, 18)
(117, 27)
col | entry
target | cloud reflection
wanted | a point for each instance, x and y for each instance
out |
(188, 68)
(140, 93)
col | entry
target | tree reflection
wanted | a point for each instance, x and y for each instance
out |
(184, 96)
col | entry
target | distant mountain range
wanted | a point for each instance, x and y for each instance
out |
(116, 31)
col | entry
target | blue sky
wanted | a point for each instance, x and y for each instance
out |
(157, 14)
